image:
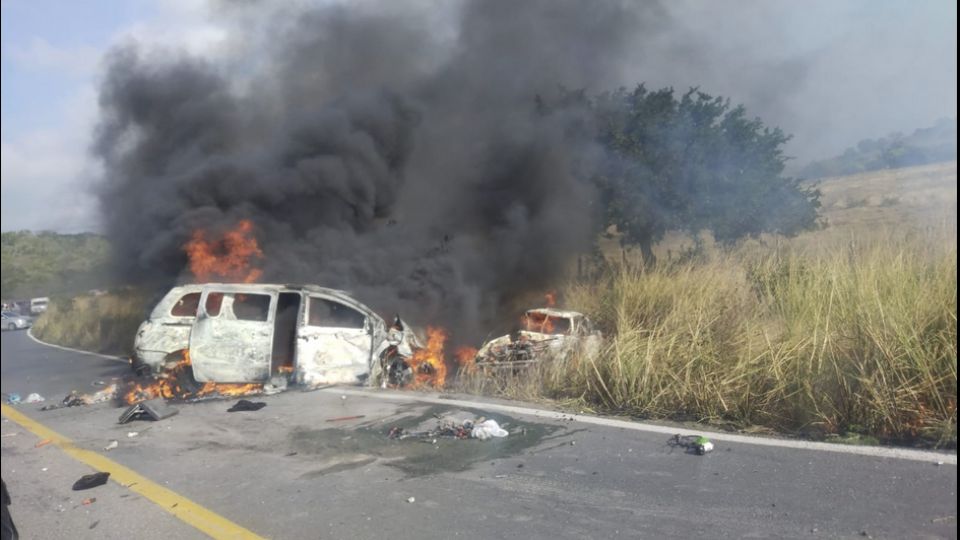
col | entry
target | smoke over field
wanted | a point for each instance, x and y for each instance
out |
(397, 149)
(370, 152)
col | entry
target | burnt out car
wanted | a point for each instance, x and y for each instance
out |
(544, 334)
(258, 333)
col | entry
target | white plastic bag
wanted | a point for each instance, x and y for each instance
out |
(486, 429)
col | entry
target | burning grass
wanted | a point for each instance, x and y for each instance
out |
(851, 337)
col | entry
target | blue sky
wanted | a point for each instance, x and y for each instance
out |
(49, 48)
(51, 54)
(829, 72)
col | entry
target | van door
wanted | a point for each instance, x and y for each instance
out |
(232, 338)
(334, 343)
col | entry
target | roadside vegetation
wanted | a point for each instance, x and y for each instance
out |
(104, 323)
(46, 263)
(846, 337)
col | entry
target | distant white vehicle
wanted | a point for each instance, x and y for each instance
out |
(39, 305)
(14, 321)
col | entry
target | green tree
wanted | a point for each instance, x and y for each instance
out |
(693, 163)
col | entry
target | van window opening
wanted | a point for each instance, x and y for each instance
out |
(186, 306)
(326, 313)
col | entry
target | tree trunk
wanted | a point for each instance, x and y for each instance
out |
(646, 252)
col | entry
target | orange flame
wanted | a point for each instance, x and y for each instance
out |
(466, 359)
(538, 322)
(176, 382)
(427, 363)
(227, 258)
(550, 297)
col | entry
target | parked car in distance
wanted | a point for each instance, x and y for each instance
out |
(14, 321)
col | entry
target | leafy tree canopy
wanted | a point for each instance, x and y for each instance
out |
(689, 162)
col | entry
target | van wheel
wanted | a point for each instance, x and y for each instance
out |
(11, 327)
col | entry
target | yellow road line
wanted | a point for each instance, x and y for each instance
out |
(183, 508)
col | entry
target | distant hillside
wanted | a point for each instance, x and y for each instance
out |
(45, 263)
(929, 145)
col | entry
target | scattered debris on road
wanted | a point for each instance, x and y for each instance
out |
(692, 444)
(89, 481)
(488, 429)
(132, 434)
(111, 446)
(13, 399)
(480, 428)
(153, 409)
(411, 499)
(76, 399)
(34, 398)
(43, 443)
(246, 405)
(88, 501)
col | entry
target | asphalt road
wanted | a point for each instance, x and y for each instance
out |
(285, 471)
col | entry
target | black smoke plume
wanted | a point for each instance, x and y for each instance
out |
(394, 153)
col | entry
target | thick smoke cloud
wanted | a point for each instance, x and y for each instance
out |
(374, 151)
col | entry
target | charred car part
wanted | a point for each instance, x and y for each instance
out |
(166, 332)
(261, 333)
(394, 369)
(545, 333)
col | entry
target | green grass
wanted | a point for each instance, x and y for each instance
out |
(105, 323)
(807, 336)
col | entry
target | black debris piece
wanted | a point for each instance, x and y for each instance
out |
(88, 481)
(245, 405)
(692, 444)
(154, 409)
(446, 429)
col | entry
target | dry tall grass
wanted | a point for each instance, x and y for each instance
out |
(857, 335)
(104, 323)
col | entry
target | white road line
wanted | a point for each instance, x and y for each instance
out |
(872, 451)
(70, 349)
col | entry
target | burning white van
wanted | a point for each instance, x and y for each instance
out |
(258, 333)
